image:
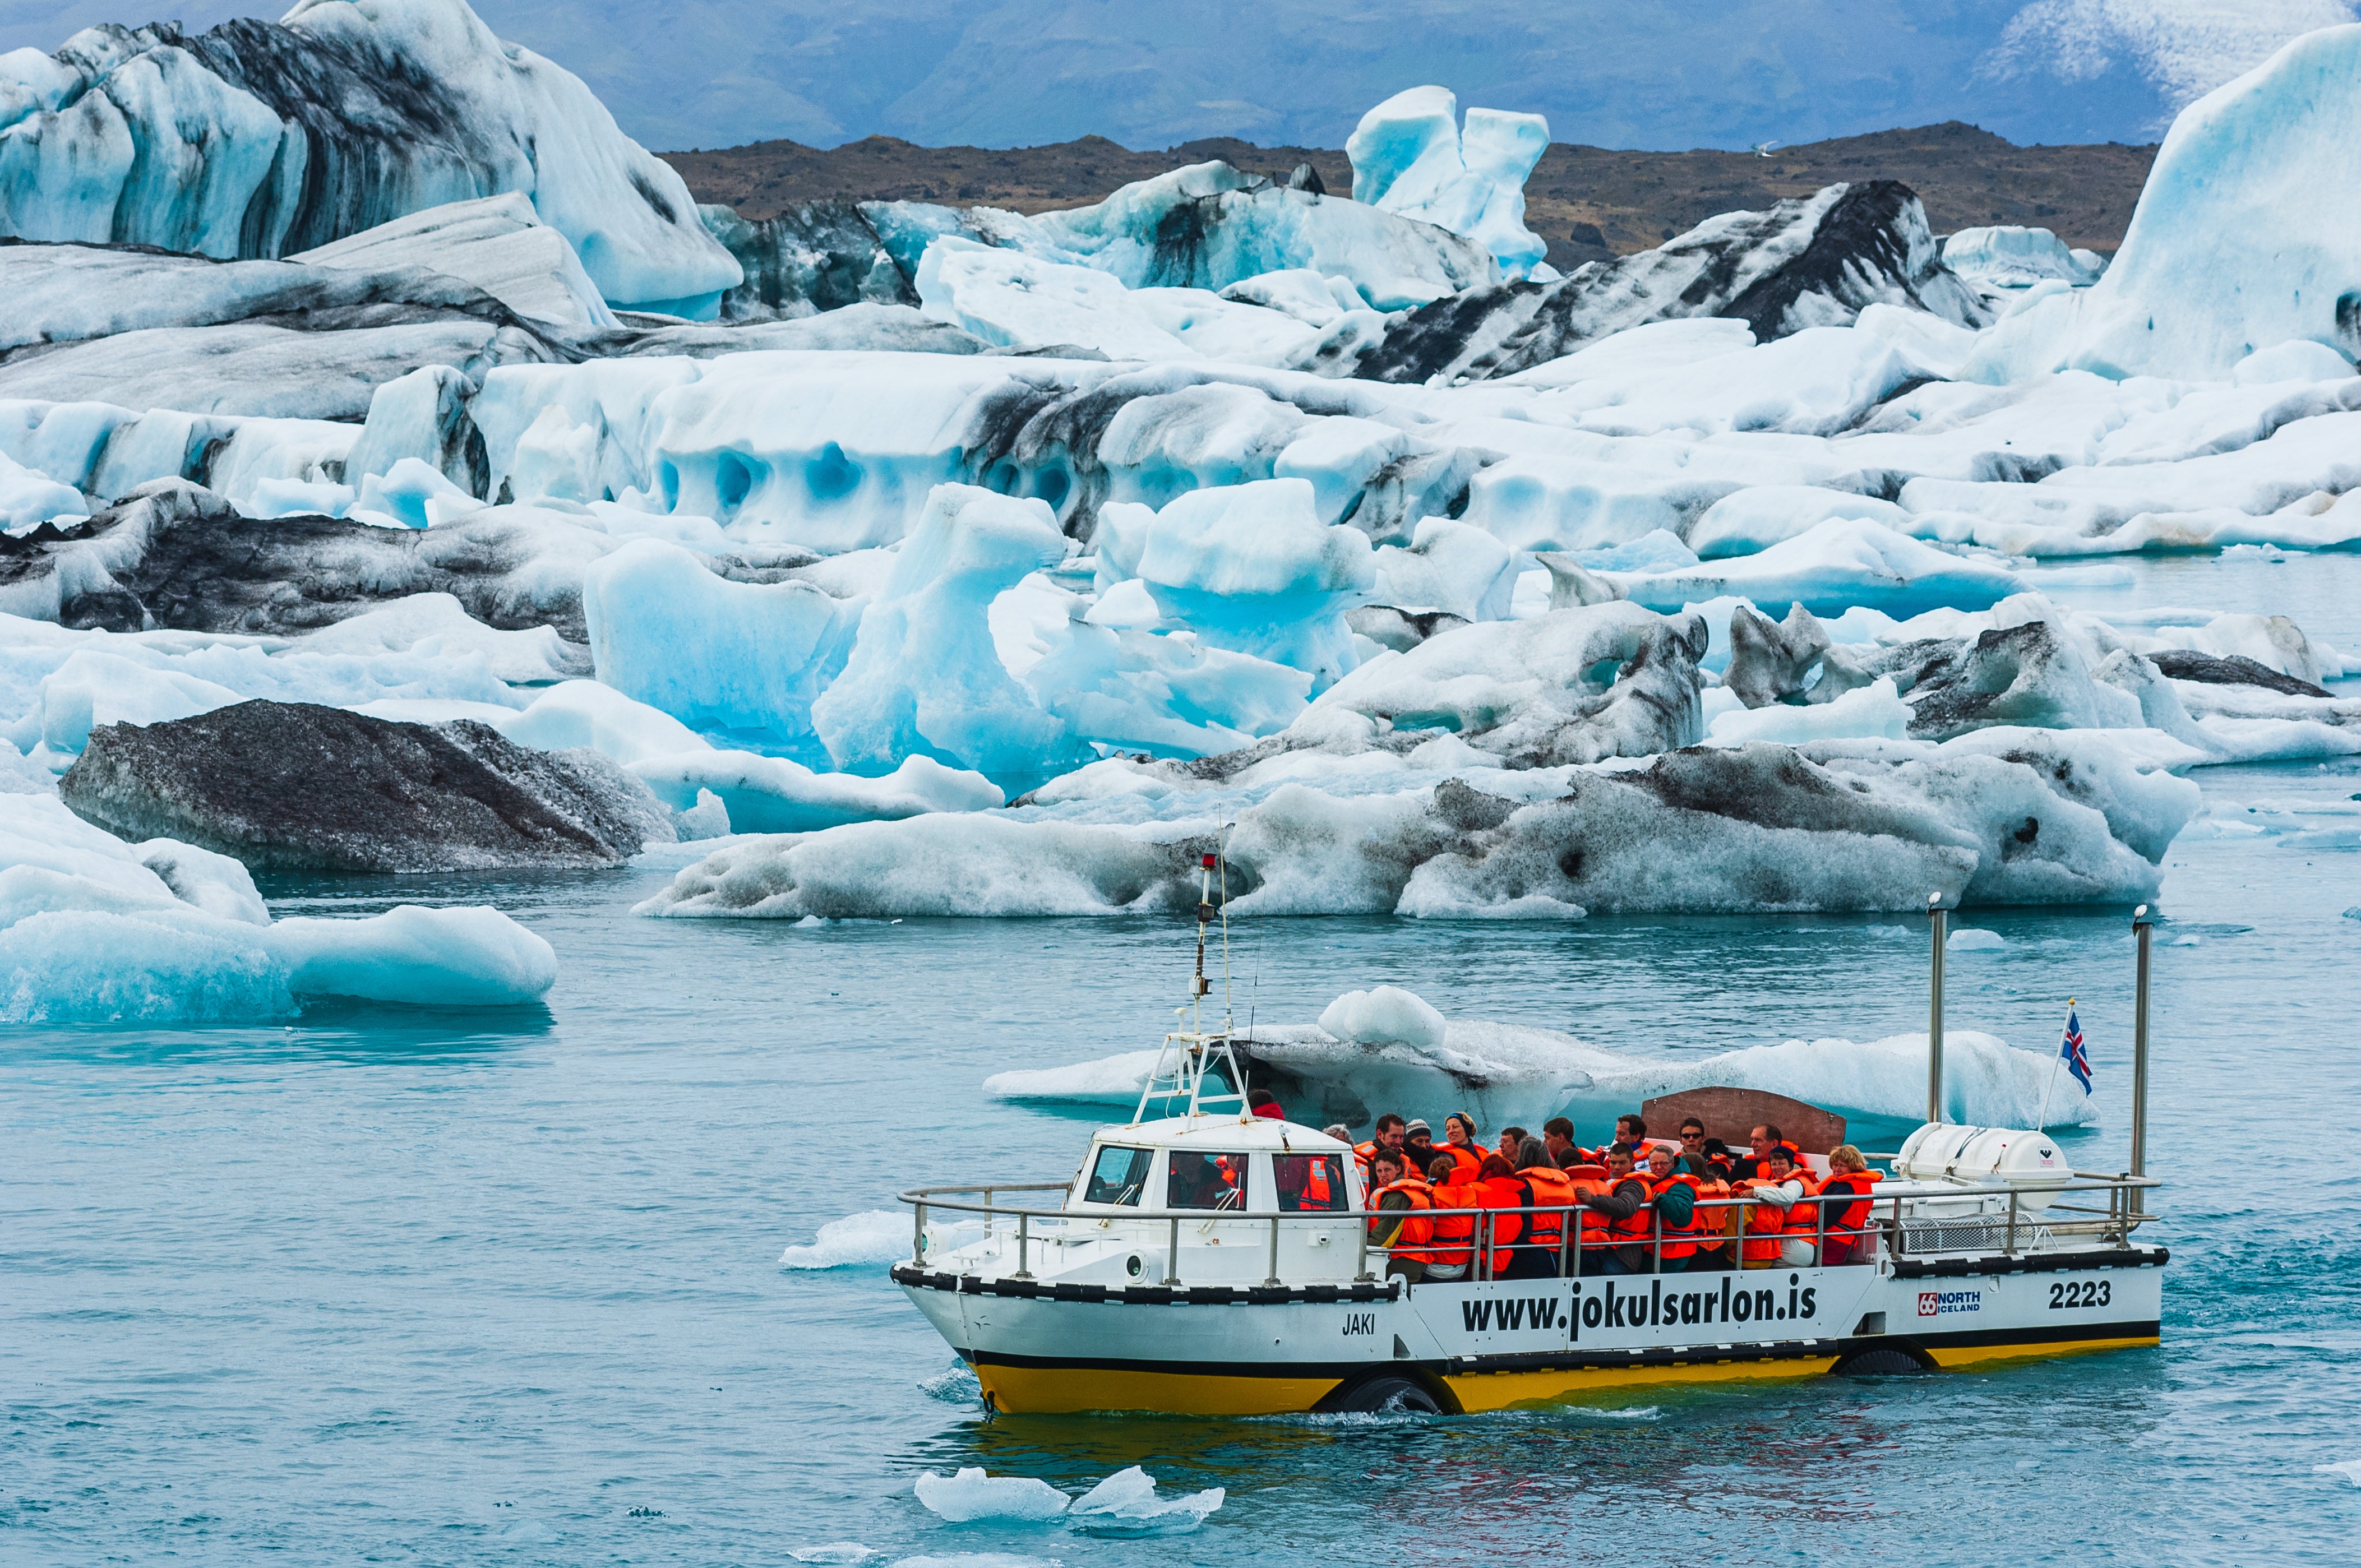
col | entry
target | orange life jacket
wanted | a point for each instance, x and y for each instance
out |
(1414, 1231)
(1714, 1227)
(1804, 1217)
(1639, 1225)
(1457, 1227)
(1766, 1224)
(1847, 1223)
(1685, 1246)
(1468, 1159)
(1506, 1195)
(1315, 1185)
(1590, 1182)
(1552, 1188)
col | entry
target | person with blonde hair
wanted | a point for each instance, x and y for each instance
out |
(1850, 1235)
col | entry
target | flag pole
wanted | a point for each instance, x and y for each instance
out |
(2052, 1082)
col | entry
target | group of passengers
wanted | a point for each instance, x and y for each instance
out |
(1639, 1205)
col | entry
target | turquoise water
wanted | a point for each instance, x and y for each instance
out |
(504, 1288)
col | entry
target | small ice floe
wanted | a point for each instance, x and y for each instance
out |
(1971, 939)
(1125, 1503)
(2348, 1468)
(971, 1494)
(874, 1235)
(834, 1551)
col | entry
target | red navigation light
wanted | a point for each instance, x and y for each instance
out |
(1209, 862)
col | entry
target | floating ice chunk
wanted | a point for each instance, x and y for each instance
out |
(971, 1494)
(1833, 566)
(1452, 567)
(833, 1551)
(593, 714)
(2005, 256)
(1410, 156)
(1167, 695)
(2230, 247)
(1008, 298)
(215, 884)
(874, 1235)
(925, 677)
(414, 495)
(299, 498)
(435, 625)
(1128, 1498)
(1764, 515)
(473, 957)
(78, 965)
(666, 632)
(771, 795)
(28, 497)
(1970, 939)
(1387, 1016)
(1251, 567)
(1869, 711)
(498, 242)
(2298, 359)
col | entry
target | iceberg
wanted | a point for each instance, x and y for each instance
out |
(2190, 293)
(1817, 262)
(95, 930)
(924, 677)
(874, 1235)
(1514, 1073)
(744, 657)
(1412, 156)
(1125, 1503)
(497, 243)
(257, 138)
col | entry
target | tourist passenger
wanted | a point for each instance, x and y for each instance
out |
(1389, 1136)
(1511, 1140)
(1848, 1238)
(1544, 1233)
(1418, 1146)
(1760, 1143)
(1673, 1194)
(1449, 1255)
(1695, 1158)
(1499, 1190)
(1624, 1208)
(1777, 1213)
(1405, 1239)
(1557, 1136)
(1460, 1128)
(1263, 1103)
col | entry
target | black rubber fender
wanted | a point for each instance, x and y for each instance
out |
(1884, 1358)
(1407, 1389)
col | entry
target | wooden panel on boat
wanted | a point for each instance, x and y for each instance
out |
(1728, 1114)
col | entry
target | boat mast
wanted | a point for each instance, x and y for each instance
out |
(1190, 1051)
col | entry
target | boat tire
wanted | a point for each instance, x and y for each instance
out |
(1388, 1392)
(1883, 1361)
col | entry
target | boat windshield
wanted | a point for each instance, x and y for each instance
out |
(1117, 1177)
(1308, 1183)
(1205, 1180)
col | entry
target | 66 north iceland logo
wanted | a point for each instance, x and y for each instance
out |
(1943, 1303)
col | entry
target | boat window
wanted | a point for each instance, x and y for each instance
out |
(1310, 1183)
(1206, 1180)
(1117, 1177)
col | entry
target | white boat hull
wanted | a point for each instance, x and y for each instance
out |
(1489, 1346)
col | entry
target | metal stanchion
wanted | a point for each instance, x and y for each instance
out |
(1274, 1250)
(1934, 919)
(2143, 927)
(1173, 1252)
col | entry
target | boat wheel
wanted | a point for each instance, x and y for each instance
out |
(1883, 1361)
(1390, 1393)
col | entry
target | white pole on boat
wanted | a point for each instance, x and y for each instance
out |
(1934, 1013)
(2050, 1082)
(2143, 926)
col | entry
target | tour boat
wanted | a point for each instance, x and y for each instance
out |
(1213, 1262)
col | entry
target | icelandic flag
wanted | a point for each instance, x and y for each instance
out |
(2070, 1050)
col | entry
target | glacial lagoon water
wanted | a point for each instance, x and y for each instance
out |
(504, 1287)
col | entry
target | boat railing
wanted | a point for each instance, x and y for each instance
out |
(2017, 1229)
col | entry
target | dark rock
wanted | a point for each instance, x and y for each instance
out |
(180, 556)
(1804, 263)
(290, 786)
(2237, 670)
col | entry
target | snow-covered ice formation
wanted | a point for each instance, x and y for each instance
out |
(340, 116)
(498, 242)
